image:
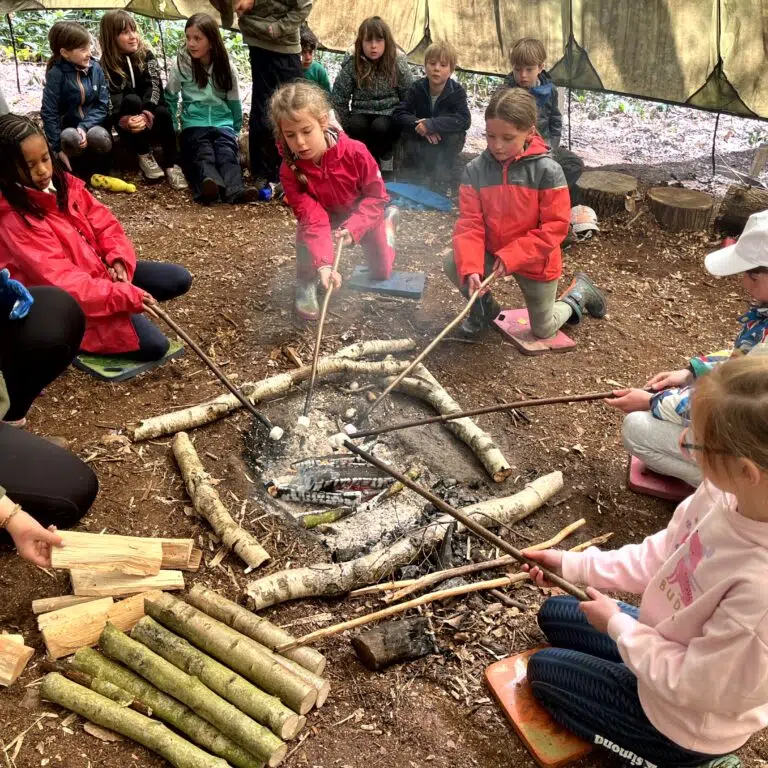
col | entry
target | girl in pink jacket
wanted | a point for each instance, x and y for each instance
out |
(683, 681)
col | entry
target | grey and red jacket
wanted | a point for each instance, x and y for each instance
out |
(518, 211)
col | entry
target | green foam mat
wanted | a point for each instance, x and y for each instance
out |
(119, 368)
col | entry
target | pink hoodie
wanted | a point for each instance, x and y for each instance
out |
(700, 648)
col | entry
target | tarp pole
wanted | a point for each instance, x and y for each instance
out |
(569, 117)
(15, 54)
(714, 141)
(162, 46)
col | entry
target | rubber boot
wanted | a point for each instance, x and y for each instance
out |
(726, 761)
(480, 317)
(306, 300)
(582, 295)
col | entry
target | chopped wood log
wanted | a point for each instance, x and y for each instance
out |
(176, 552)
(606, 191)
(165, 707)
(346, 361)
(194, 561)
(49, 604)
(100, 585)
(681, 210)
(330, 579)
(738, 205)
(208, 504)
(108, 554)
(241, 654)
(14, 656)
(253, 626)
(244, 731)
(143, 730)
(394, 641)
(263, 708)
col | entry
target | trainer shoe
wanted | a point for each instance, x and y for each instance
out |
(149, 167)
(246, 195)
(176, 178)
(582, 295)
(306, 304)
(278, 193)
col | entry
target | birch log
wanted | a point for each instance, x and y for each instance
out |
(208, 504)
(331, 579)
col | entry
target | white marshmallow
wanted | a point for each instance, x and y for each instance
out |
(350, 429)
(276, 433)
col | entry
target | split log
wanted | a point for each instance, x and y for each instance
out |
(165, 707)
(738, 205)
(49, 604)
(427, 388)
(108, 554)
(681, 210)
(195, 558)
(606, 191)
(394, 641)
(237, 651)
(344, 361)
(100, 585)
(253, 626)
(176, 553)
(14, 656)
(244, 731)
(143, 730)
(263, 708)
(208, 504)
(331, 579)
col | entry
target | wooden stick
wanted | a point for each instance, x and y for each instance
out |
(153, 309)
(596, 542)
(468, 522)
(440, 336)
(320, 326)
(486, 409)
(387, 586)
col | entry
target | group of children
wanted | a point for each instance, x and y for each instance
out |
(679, 682)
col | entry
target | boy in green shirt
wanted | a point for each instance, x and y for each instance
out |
(313, 70)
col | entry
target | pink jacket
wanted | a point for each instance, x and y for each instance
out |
(700, 648)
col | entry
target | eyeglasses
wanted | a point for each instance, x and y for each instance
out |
(691, 450)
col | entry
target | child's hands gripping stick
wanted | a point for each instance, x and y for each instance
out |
(630, 400)
(329, 276)
(670, 379)
(551, 559)
(599, 609)
(343, 235)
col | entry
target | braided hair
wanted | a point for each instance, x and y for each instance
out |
(14, 174)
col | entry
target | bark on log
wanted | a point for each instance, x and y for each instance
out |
(14, 656)
(346, 360)
(681, 210)
(208, 504)
(331, 579)
(49, 604)
(259, 741)
(393, 642)
(606, 191)
(738, 205)
(263, 708)
(143, 730)
(427, 388)
(253, 626)
(165, 708)
(234, 649)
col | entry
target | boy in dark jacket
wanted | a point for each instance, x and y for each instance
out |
(435, 118)
(527, 58)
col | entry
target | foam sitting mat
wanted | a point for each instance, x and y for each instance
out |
(119, 368)
(640, 479)
(550, 745)
(417, 197)
(515, 325)
(410, 285)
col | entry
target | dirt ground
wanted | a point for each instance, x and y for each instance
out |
(663, 309)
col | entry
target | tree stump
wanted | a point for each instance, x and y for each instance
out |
(681, 210)
(606, 191)
(394, 641)
(738, 205)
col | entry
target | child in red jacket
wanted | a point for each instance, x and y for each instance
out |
(514, 212)
(56, 233)
(335, 189)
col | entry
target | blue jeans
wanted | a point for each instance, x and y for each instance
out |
(582, 682)
(212, 153)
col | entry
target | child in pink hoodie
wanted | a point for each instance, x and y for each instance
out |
(684, 680)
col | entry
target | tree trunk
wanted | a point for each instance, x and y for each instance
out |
(738, 205)
(253, 626)
(331, 579)
(258, 740)
(164, 707)
(143, 730)
(606, 191)
(208, 504)
(394, 641)
(265, 709)
(681, 210)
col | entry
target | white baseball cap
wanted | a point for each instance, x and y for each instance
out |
(749, 252)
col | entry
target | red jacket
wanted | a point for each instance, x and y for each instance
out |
(72, 250)
(346, 187)
(519, 211)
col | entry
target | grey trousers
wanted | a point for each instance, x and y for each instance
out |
(657, 444)
(545, 313)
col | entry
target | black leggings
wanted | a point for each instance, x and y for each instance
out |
(161, 133)
(378, 132)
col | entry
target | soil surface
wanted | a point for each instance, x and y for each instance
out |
(436, 711)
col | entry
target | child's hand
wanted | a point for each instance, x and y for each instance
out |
(344, 235)
(498, 268)
(328, 276)
(421, 127)
(149, 299)
(137, 124)
(434, 138)
(667, 379)
(83, 138)
(599, 609)
(118, 272)
(630, 400)
(551, 559)
(65, 159)
(473, 283)
(243, 6)
(32, 541)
